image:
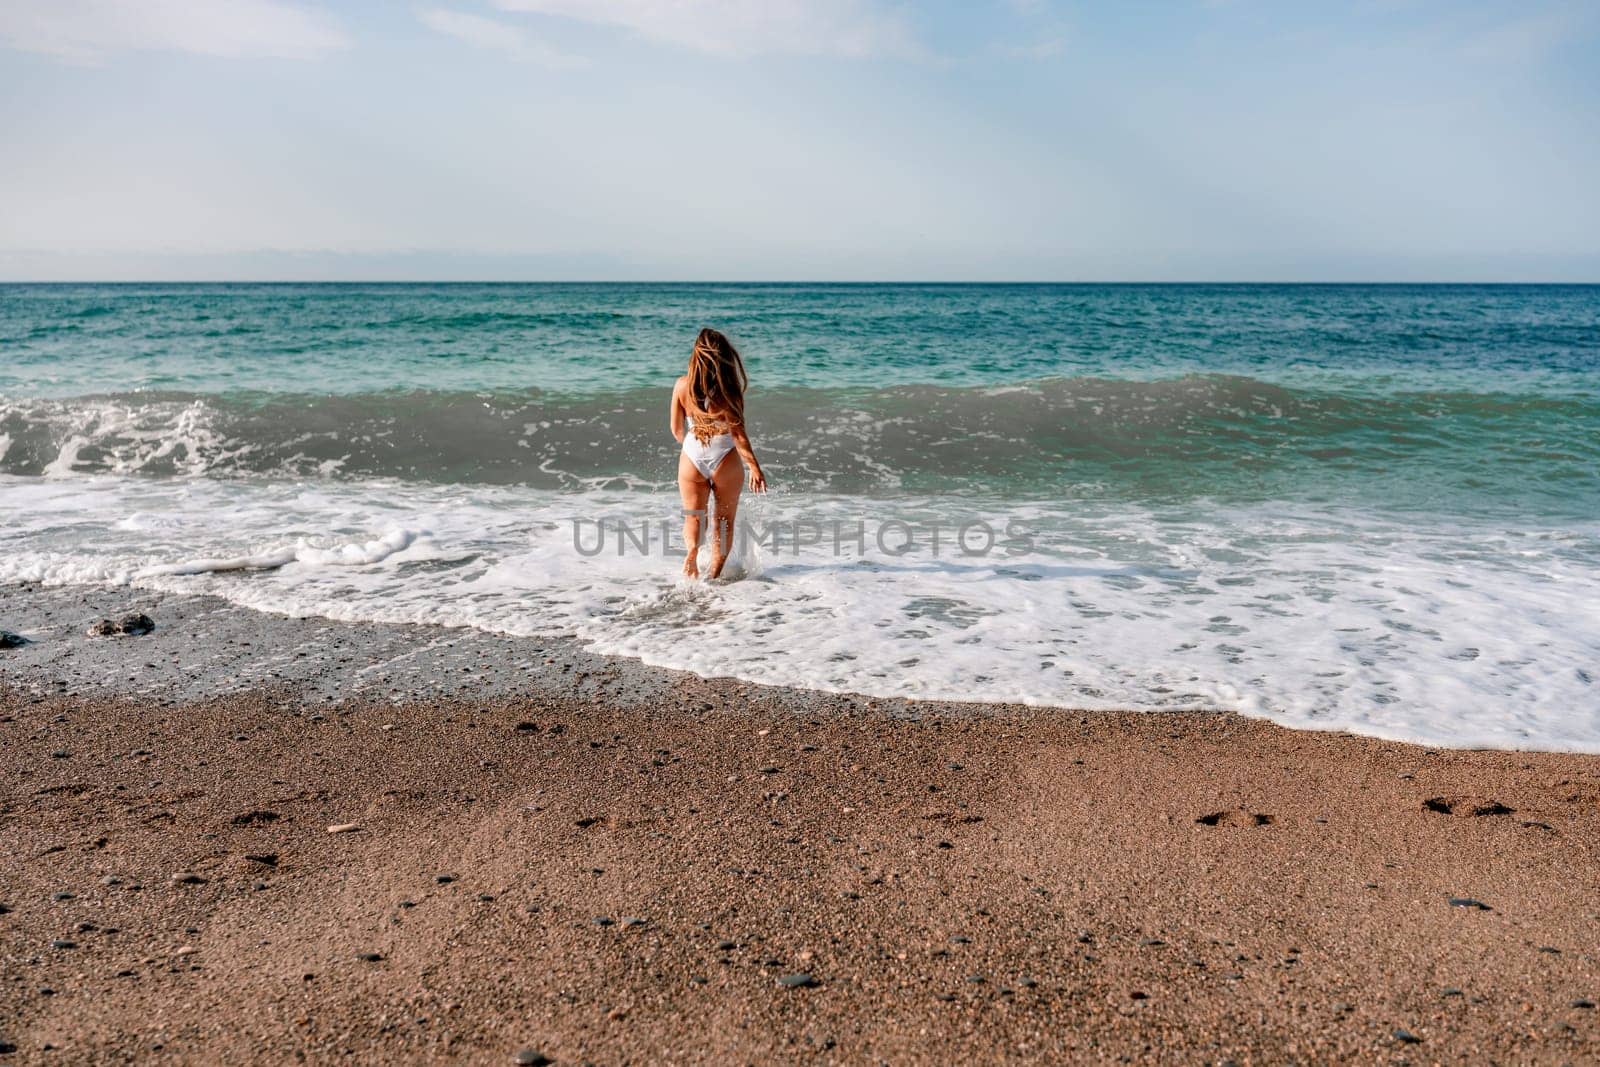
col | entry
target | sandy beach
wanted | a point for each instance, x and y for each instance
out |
(625, 865)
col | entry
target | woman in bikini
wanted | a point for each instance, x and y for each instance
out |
(711, 398)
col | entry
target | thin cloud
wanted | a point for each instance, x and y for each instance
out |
(846, 28)
(1527, 38)
(1049, 48)
(89, 31)
(496, 36)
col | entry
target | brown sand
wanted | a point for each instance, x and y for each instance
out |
(1026, 886)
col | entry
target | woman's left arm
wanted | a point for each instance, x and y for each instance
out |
(676, 414)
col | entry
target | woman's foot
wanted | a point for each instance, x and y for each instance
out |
(691, 564)
(717, 560)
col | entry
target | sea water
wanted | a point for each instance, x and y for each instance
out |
(1370, 508)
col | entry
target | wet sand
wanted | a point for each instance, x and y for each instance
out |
(627, 867)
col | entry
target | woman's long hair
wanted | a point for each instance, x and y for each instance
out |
(716, 377)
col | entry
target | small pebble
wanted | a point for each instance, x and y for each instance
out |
(344, 828)
(530, 1057)
(797, 981)
(1406, 1037)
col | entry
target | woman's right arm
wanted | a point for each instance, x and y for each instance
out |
(741, 443)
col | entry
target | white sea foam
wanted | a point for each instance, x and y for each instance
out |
(1429, 630)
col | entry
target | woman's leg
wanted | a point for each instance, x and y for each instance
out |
(695, 492)
(726, 483)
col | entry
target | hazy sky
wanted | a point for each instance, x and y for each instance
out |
(787, 139)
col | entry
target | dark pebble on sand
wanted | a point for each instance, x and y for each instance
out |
(4, 909)
(11, 640)
(1406, 1037)
(530, 1057)
(1468, 902)
(1582, 1002)
(369, 957)
(797, 981)
(130, 625)
(632, 920)
(603, 920)
(187, 878)
(7, 1048)
(60, 753)
(63, 943)
(1450, 991)
(444, 879)
(726, 946)
(63, 895)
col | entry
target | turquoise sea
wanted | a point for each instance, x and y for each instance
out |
(1346, 506)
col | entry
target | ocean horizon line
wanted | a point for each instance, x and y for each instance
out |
(841, 283)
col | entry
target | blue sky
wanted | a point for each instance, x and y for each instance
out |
(783, 139)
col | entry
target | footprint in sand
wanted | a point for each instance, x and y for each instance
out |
(1235, 818)
(1464, 805)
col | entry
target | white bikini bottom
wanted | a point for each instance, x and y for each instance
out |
(707, 457)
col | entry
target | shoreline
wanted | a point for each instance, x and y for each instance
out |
(204, 647)
(1023, 885)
